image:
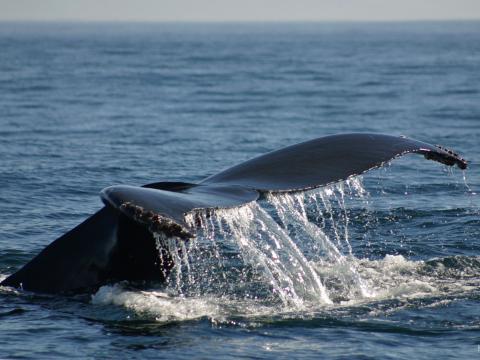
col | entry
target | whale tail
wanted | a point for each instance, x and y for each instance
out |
(117, 242)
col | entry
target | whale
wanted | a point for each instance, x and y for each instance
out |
(119, 241)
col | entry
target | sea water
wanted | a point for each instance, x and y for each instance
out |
(386, 265)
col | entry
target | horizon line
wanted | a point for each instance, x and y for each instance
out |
(239, 21)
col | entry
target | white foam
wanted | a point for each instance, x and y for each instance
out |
(393, 277)
(159, 304)
(166, 308)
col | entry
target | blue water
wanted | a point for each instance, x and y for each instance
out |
(85, 106)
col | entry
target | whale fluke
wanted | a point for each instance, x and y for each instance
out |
(326, 160)
(164, 210)
(117, 242)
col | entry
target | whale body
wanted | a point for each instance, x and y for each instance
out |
(117, 243)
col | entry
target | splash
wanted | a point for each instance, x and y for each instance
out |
(253, 252)
(288, 253)
(161, 305)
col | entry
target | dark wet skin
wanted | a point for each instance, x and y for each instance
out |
(117, 242)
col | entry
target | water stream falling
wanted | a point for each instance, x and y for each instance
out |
(271, 250)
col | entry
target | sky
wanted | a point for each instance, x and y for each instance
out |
(238, 10)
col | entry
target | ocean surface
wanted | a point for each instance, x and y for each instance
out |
(383, 266)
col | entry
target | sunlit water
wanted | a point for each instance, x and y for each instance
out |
(381, 266)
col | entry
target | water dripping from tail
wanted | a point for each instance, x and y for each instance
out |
(292, 250)
(327, 245)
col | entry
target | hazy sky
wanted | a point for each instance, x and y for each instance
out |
(237, 10)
